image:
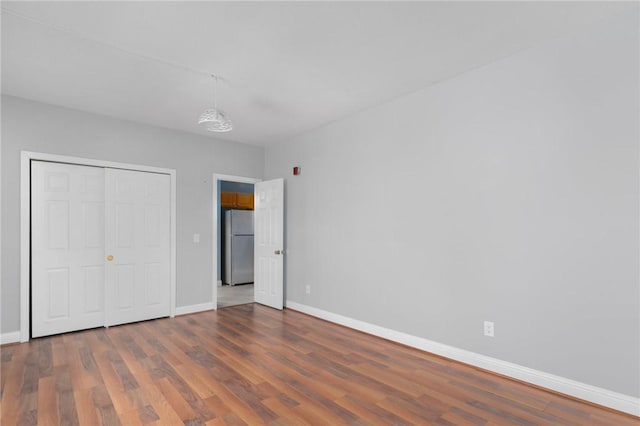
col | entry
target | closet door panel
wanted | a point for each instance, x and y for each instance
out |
(137, 241)
(67, 251)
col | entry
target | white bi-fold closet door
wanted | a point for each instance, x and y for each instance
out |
(100, 247)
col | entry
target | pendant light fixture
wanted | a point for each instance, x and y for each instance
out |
(213, 119)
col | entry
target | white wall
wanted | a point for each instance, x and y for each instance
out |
(33, 126)
(509, 193)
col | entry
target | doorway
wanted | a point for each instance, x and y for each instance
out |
(233, 246)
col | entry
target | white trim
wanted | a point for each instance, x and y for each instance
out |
(11, 337)
(94, 162)
(594, 394)
(25, 231)
(215, 200)
(173, 248)
(25, 244)
(1, 287)
(192, 309)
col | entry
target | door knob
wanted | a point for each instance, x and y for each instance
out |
(109, 258)
(277, 252)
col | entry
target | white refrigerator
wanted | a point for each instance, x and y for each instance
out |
(238, 227)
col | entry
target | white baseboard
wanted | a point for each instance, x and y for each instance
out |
(192, 309)
(11, 337)
(180, 310)
(607, 398)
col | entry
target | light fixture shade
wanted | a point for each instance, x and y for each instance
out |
(214, 121)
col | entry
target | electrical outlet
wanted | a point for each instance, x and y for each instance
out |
(488, 328)
(307, 289)
(196, 238)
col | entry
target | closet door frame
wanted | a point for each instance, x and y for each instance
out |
(25, 223)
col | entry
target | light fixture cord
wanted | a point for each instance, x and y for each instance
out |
(215, 92)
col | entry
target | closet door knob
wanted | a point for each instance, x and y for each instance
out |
(109, 258)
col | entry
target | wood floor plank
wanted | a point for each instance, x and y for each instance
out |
(59, 351)
(177, 402)
(130, 418)
(251, 365)
(113, 386)
(197, 382)
(12, 379)
(28, 414)
(162, 408)
(217, 405)
(284, 411)
(370, 412)
(85, 408)
(80, 378)
(462, 418)
(238, 408)
(102, 402)
(47, 402)
(66, 401)
(243, 390)
(31, 372)
(406, 415)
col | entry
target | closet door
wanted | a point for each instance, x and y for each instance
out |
(137, 245)
(67, 247)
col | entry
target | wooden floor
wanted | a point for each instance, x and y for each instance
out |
(252, 365)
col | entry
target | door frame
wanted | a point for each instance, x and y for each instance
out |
(217, 177)
(25, 223)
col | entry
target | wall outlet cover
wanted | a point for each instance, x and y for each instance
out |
(489, 328)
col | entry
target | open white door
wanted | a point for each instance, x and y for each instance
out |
(269, 242)
(137, 245)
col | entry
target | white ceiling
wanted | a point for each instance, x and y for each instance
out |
(287, 67)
